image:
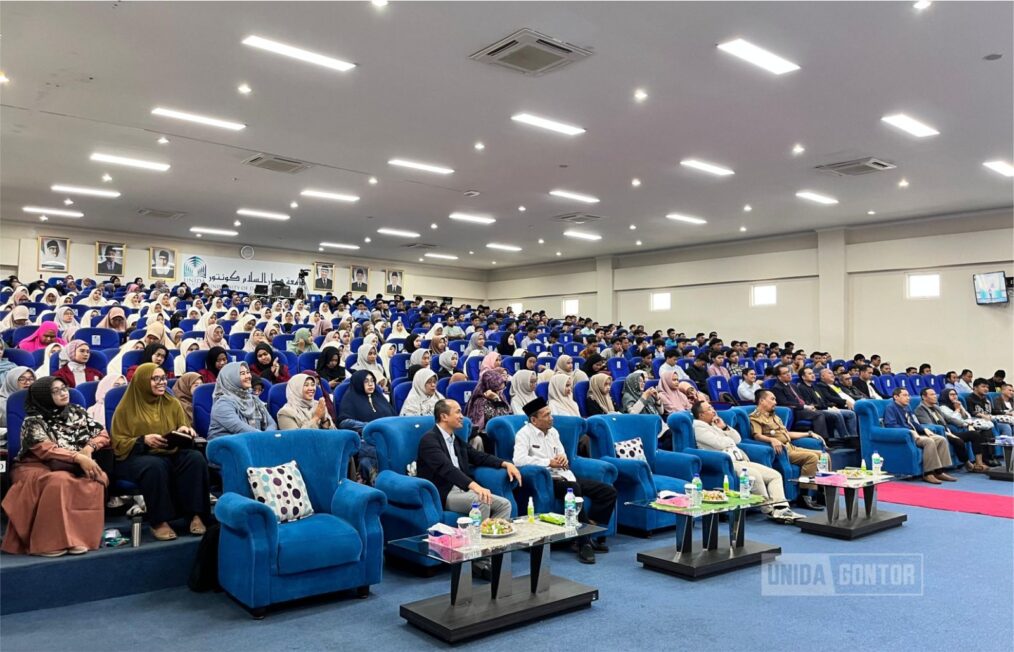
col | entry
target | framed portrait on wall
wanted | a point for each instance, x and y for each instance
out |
(360, 279)
(54, 254)
(109, 258)
(394, 280)
(323, 277)
(162, 263)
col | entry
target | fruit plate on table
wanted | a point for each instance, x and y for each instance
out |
(714, 497)
(497, 528)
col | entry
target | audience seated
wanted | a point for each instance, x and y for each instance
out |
(183, 390)
(15, 379)
(173, 481)
(55, 505)
(154, 353)
(523, 389)
(268, 365)
(329, 368)
(982, 408)
(748, 386)
(766, 426)
(235, 407)
(561, 397)
(423, 396)
(47, 333)
(936, 453)
(929, 413)
(488, 401)
(97, 411)
(215, 359)
(363, 403)
(841, 420)
(599, 400)
(787, 395)
(301, 410)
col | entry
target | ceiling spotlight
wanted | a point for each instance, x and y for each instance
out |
(68, 202)
(43, 218)
(415, 165)
(798, 149)
(1000, 167)
(742, 229)
(689, 219)
(638, 243)
(128, 162)
(541, 241)
(633, 227)
(199, 119)
(293, 204)
(3, 78)
(903, 183)
(471, 253)
(199, 235)
(163, 140)
(245, 89)
(59, 212)
(433, 225)
(576, 196)
(474, 219)
(704, 166)
(420, 260)
(502, 247)
(922, 4)
(816, 197)
(581, 235)
(747, 208)
(521, 209)
(640, 95)
(871, 212)
(339, 245)
(79, 190)
(268, 215)
(367, 239)
(379, 4)
(203, 229)
(635, 182)
(545, 123)
(335, 196)
(298, 53)
(398, 233)
(237, 223)
(479, 146)
(320, 248)
(559, 253)
(373, 181)
(493, 262)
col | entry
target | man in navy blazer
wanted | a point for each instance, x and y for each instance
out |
(447, 461)
(936, 452)
(787, 395)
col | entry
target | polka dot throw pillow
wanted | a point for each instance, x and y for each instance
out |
(282, 489)
(630, 449)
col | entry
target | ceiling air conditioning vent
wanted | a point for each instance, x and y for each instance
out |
(530, 53)
(276, 163)
(858, 167)
(419, 246)
(160, 214)
(577, 218)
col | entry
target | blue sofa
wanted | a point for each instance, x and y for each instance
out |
(263, 562)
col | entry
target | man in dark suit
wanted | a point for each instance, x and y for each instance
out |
(842, 420)
(110, 264)
(359, 282)
(323, 280)
(864, 382)
(936, 452)
(786, 395)
(446, 460)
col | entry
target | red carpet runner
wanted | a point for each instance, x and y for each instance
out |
(949, 500)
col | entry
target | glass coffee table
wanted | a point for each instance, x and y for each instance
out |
(854, 522)
(715, 554)
(467, 611)
(1005, 472)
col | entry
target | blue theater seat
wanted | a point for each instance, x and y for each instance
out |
(895, 445)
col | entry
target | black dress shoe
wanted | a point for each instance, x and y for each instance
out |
(587, 554)
(807, 502)
(482, 569)
(599, 545)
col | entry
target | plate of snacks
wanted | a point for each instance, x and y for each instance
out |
(497, 527)
(853, 473)
(714, 496)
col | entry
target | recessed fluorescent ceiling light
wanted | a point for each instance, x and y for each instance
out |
(59, 212)
(129, 162)
(78, 190)
(1003, 167)
(398, 232)
(475, 219)
(502, 247)
(415, 165)
(566, 194)
(817, 197)
(922, 4)
(910, 124)
(268, 215)
(298, 53)
(546, 123)
(758, 56)
(207, 231)
(441, 256)
(336, 196)
(199, 119)
(704, 166)
(689, 219)
(339, 245)
(581, 235)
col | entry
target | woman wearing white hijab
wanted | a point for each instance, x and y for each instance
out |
(245, 324)
(66, 321)
(189, 345)
(133, 301)
(424, 395)
(523, 390)
(561, 397)
(385, 353)
(94, 299)
(206, 322)
(51, 297)
(363, 363)
(115, 366)
(256, 337)
(43, 369)
(398, 331)
(436, 331)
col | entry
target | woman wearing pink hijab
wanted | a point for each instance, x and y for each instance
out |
(46, 334)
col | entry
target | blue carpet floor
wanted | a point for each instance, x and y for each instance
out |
(968, 587)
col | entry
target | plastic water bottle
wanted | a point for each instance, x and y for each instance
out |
(475, 530)
(698, 490)
(725, 484)
(531, 510)
(570, 509)
(823, 462)
(744, 484)
(878, 463)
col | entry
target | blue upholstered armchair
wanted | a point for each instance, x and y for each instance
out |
(640, 480)
(263, 562)
(895, 445)
(715, 465)
(413, 504)
(538, 483)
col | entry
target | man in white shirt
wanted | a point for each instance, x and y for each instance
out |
(964, 384)
(538, 444)
(748, 386)
(713, 434)
(672, 354)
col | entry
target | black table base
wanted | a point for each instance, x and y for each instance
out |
(716, 554)
(467, 612)
(854, 522)
(1005, 472)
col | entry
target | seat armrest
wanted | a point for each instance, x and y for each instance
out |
(408, 491)
(892, 436)
(759, 453)
(598, 470)
(538, 483)
(811, 443)
(632, 472)
(677, 465)
(497, 481)
(360, 506)
(252, 521)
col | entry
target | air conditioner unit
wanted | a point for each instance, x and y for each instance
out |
(530, 53)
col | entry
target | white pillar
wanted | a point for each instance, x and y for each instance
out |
(832, 301)
(604, 290)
